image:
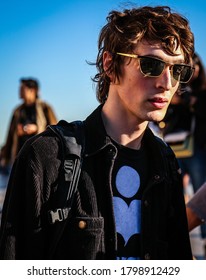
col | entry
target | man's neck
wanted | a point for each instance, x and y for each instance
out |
(123, 131)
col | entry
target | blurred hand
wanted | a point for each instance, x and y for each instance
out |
(26, 129)
(30, 129)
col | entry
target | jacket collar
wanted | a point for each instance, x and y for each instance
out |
(96, 136)
(97, 139)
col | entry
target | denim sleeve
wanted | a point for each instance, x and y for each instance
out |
(198, 203)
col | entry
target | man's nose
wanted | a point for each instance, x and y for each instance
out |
(166, 80)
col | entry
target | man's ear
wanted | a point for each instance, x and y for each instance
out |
(107, 60)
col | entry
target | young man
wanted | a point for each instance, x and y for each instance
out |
(129, 203)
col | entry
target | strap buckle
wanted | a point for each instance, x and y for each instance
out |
(58, 215)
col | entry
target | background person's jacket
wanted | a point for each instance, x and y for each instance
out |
(44, 116)
(90, 231)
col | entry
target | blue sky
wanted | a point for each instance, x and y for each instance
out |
(51, 40)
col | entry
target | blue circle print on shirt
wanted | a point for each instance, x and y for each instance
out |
(127, 181)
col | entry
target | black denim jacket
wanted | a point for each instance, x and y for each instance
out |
(90, 231)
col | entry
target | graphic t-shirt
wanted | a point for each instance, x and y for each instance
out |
(128, 180)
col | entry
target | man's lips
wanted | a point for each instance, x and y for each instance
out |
(158, 102)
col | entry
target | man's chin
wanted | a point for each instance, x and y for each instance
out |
(156, 117)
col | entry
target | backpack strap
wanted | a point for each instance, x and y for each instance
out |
(72, 141)
(71, 136)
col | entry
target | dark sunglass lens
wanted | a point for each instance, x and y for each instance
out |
(151, 66)
(182, 73)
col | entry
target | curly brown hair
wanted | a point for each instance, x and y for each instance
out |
(125, 29)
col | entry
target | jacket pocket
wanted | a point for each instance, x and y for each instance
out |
(83, 239)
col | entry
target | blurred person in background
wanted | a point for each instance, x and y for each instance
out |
(196, 211)
(196, 208)
(28, 119)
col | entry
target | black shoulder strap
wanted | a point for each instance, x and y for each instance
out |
(71, 136)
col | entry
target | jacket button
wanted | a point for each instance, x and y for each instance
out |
(157, 177)
(82, 224)
(111, 153)
(146, 203)
(147, 256)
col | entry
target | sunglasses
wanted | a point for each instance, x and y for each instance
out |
(154, 67)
